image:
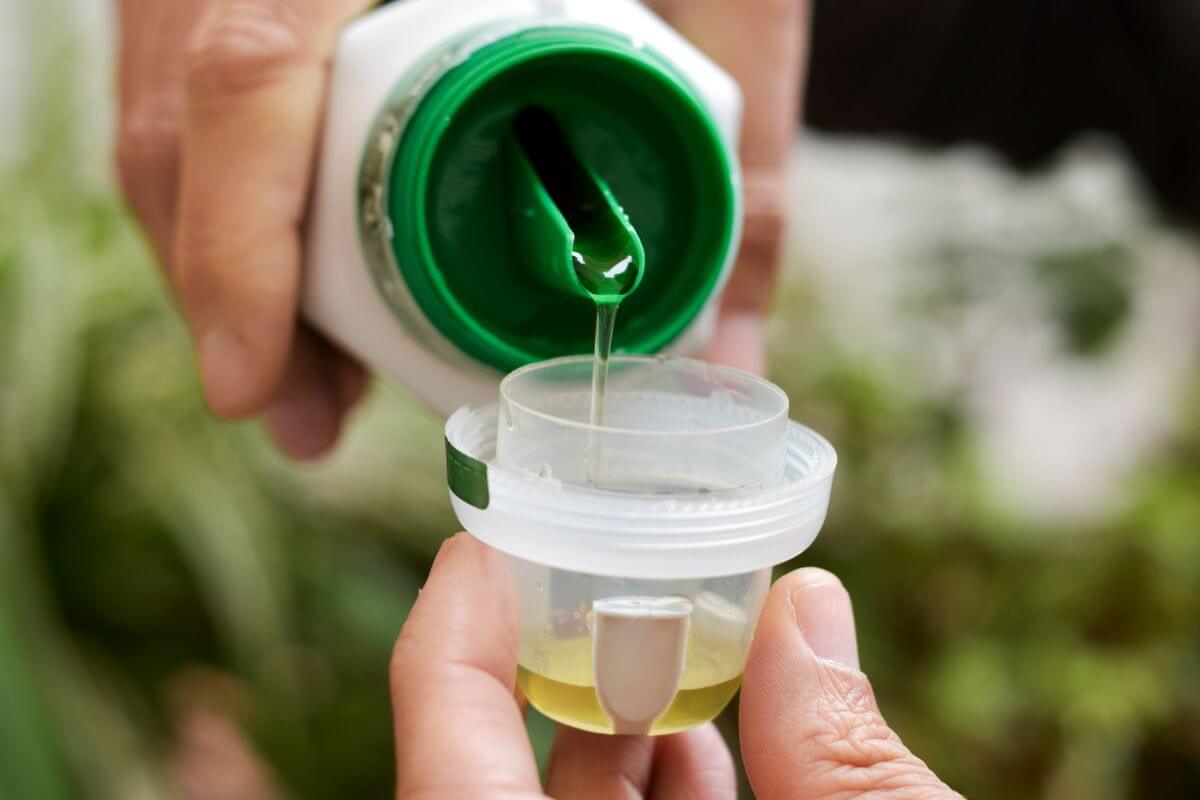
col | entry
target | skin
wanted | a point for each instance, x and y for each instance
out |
(809, 725)
(220, 104)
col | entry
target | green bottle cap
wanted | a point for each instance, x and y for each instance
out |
(543, 150)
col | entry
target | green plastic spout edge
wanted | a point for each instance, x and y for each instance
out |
(568, 229)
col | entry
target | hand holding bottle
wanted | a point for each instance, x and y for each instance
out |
(220, 105)
(220, 109)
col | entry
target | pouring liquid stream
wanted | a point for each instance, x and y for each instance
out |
(606, 321)
(603, 279)
(605, 253)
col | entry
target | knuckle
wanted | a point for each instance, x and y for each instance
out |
(765, 192)
(406, 654)
(864, 757)
(409, 650)
(766, 211)
(770, 9)
(245, 45)
(856, 753)
(764, 231)
(147, 138)
(852, 732)
(401, 650)
(859, 741)
(777, 9)
(199, 245)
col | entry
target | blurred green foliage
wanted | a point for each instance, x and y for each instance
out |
(1090, 293)
(152, 558)
(140, 538)
(1020, 660)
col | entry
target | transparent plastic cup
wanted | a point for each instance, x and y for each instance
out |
(670, 426)
(639, 592)
(625, 655)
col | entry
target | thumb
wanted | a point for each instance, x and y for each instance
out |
(809, 724)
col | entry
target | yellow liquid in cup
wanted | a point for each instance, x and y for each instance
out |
(562, 687)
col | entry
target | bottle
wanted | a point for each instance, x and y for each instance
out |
(437, 254)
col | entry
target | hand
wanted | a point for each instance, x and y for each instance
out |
(763, 44)
(809, 724)
(220, 105)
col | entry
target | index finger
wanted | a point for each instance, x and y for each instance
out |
(762, 44)
(255, 85)
(459, 732)
(153, 36)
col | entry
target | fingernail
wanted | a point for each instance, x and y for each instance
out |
(826, 620)
(225, 370)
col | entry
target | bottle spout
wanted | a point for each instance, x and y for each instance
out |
(566, 226)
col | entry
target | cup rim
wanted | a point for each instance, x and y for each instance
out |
(617, 358)
(648, 536)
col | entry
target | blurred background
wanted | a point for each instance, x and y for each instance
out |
(1008, 364)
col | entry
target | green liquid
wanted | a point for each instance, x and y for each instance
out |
(605, 264)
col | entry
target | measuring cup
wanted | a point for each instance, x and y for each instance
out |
(640, 580)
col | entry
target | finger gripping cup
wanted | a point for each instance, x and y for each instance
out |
(639, 595)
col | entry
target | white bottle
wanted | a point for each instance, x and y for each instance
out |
(412, 262)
